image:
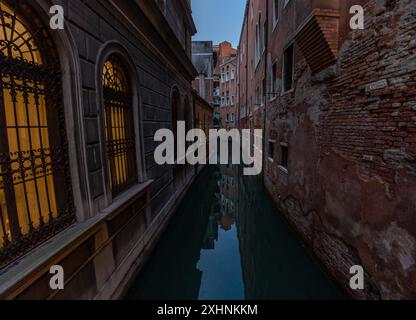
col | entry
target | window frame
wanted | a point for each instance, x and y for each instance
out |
(284, 67)
(257, 45)
(57, 116)
(123, 161)
(110, 48)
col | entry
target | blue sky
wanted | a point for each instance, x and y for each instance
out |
(218, 20)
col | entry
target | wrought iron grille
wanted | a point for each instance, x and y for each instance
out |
(119, 126)
(35, 187)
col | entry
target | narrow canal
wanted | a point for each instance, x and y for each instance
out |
(227, 242)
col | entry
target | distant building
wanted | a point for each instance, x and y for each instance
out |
(214, 81)
(222, 52)
(225, 74)
(203, 60)
(228, 89)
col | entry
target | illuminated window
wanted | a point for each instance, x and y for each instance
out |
(35, 185)
(119, 126)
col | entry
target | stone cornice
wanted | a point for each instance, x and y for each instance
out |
(148, 20)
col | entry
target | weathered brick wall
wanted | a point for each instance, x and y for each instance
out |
(351, 131)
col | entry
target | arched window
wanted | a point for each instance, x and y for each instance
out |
(119, 125)
(35, 185)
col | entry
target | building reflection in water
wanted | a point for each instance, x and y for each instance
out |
(223, 212)
(172, 273)
(220, 261)
(228, 242)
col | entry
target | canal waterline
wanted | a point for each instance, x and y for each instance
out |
(227, 242)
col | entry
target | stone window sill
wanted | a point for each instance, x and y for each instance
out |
(126, 197)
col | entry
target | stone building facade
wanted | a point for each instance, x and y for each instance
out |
(338, 109)
(120, 70)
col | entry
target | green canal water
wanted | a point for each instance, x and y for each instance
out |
(228, 242)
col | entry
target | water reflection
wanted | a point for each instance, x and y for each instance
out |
(227, 242)
(220, 263)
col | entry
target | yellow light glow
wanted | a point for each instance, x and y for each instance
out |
(22, 45)
(27, 133)
(114, 79)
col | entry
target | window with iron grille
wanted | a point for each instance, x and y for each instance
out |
(119, 126)
(36, 198)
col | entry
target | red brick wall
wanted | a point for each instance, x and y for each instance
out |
(229, 87)
(351, 186)
(251, 74)
(224, 51)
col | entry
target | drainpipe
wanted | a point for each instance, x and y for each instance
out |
(266, 52)
(247, 50)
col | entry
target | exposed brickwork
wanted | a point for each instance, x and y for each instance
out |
(318, 39)
(350, 130)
